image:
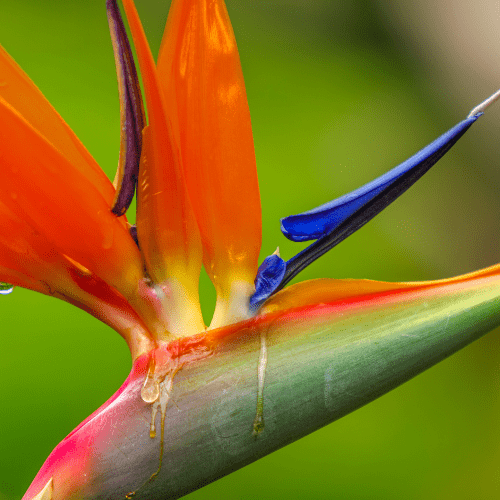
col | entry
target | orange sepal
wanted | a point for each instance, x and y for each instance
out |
(29, 260)
(24, 96)
(202, 82)
(166, 226)
(165, 223)
(40, 186)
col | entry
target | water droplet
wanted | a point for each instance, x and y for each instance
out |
(150, 390)
(162, 390)
(165, 391)
(152, 428)
(5, 288)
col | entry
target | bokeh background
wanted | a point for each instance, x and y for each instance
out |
(339, 93)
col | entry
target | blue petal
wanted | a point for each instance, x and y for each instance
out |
(316, 223)
(269, 276)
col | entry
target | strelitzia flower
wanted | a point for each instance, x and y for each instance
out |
(276, 362)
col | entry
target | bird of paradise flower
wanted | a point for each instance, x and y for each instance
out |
(197, 201)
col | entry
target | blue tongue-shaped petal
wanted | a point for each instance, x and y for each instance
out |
(269, 276)
(331, 223)
(314, 224)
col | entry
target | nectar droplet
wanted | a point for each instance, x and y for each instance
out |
(150, 390)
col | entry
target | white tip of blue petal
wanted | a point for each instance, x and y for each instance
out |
(486, 103)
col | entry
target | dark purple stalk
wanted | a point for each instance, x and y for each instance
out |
(131, 110)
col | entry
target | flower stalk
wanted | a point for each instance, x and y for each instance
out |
(275, 362)
(323, 361)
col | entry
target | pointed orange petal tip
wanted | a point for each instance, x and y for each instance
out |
(202, 81)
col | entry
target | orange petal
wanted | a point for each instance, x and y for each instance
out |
(166, 226)
(27, 259)
(15, 278)
(23, 95)
(43, 189)
(201, 77)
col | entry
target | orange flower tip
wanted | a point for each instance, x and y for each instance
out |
(47, 492)
(233, 306)
(131, 110)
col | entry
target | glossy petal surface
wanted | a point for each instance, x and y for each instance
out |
(166, 227)
(22, 94)
(320, 221)
(41, 187)
(203, 85)
(29, 260)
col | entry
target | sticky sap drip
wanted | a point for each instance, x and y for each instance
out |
(258, 423)
(157, 393)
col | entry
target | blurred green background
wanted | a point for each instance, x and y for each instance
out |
(339, 92)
